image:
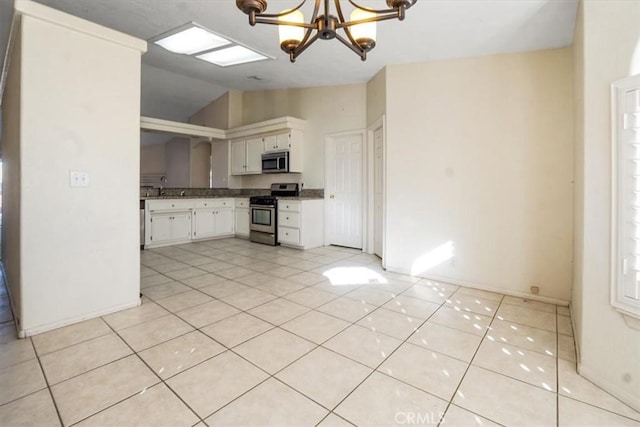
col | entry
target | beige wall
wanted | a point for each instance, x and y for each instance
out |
(67, 256)
(152, 159)
(329, 109)
(178, 162)
(200, 163)
(223, 112)
(606, 40)
(480, 154)
(11, 182)
(578, 194)
(377, 96)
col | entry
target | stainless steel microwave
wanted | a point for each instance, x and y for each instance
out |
(275, 162)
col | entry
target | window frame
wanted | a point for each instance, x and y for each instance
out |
(629, 307)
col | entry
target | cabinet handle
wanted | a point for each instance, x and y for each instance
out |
(287, 217)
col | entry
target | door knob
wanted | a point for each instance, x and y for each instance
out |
(332, 196)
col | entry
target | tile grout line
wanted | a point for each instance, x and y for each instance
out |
(46, 381)
(231, 349)
(161, 381)
(442, 420)
(375, 370)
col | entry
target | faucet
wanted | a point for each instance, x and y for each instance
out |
(148, 192)
(163, 180)
(182, 193)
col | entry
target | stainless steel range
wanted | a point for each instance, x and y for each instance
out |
(264, 214)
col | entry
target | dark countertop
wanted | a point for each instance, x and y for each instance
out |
(191, 197)
(222, 193)
(300, 198)
(228, 197)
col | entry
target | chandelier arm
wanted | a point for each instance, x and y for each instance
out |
(347, 31)
(306, 42)
(368, 9)
(283, 13)
(339, 11)
(354, 47)
(261, 20)
(366, 20)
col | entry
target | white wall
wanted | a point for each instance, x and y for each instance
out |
(607, 49)
(480, 154)
(79, 248)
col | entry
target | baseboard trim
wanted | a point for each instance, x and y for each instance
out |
(481, 287)
(622, 395)
(24, 333)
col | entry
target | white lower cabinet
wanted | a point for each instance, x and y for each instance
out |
(224, 222)
(242, 217)
(169, 227)
(301, 223)
(172, 221)
(213, 218)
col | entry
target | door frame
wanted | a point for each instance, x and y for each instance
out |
(328, 160)
(370, 245)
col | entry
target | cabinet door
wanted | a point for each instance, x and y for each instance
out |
(238, 157)
(242, 221)
(204, 221)
(254, 155)
(282, 141)
(270, 143)
(224, 221)
(289, 235)
(181, 225)
(160, 228)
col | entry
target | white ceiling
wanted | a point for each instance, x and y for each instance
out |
(174, 86)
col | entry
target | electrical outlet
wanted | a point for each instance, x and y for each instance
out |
(78, 179)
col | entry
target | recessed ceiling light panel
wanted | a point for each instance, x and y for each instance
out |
(192, 40)
(232, 56)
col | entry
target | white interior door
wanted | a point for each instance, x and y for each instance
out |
(378, 195)
(344, 189)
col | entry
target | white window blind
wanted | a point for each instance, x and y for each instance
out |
(626, 227)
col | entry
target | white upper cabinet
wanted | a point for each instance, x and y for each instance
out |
(250, 141)
(246, 156)
(254, 155)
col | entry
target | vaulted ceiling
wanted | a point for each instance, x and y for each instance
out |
(175, 86)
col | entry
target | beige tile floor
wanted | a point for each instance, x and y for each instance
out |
(235, 333)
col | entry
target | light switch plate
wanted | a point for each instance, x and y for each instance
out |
(78, 179)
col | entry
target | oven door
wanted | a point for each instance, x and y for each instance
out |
(263, 218)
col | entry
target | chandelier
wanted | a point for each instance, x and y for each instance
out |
(296, 35)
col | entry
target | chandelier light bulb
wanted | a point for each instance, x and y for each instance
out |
(364, 34)
(289, 34)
